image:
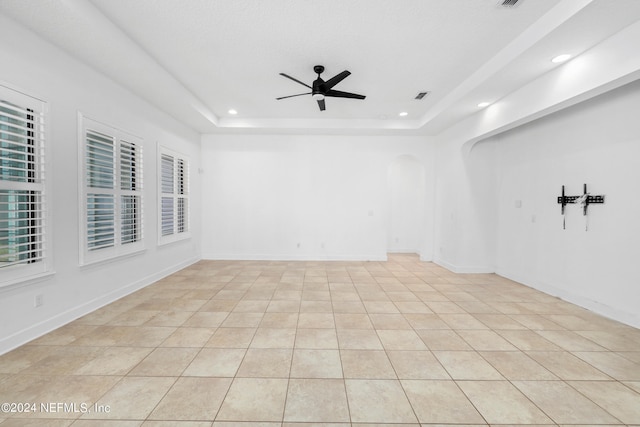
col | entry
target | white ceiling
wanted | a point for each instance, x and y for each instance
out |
(196, 59)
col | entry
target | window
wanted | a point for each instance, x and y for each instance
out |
(23, 243)
(174, 196)
(112, 192)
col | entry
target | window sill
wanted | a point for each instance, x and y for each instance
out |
(164, 241)
(26, 281)
(111, 259)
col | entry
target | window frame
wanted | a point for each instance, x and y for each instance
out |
(38, 185)
(176, 195)
(91, 251)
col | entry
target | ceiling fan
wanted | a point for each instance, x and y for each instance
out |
(320, 89)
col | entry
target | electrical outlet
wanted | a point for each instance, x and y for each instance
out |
(38, 301)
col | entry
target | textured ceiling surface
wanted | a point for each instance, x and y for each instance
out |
(197, 59)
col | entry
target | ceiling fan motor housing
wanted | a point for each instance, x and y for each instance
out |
(318, 87)
(318, 90)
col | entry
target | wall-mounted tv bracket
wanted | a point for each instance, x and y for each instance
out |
(585, 200)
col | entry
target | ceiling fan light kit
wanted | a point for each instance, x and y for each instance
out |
(321, 89)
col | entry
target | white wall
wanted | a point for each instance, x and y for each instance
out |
(36, 68)
(597, 143)
(465, 199)
(304, 196)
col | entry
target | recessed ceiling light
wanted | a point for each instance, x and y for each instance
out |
(232, 112)
(403, 114)
(561, 58)
(484, 104)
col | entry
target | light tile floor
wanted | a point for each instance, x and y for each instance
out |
(401, 342)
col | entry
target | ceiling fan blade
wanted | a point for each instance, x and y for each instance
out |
(321, 104)
(339, 94)
(336, 79)
(291, 96)
(295, 80)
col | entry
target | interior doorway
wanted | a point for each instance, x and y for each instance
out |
(406, 184)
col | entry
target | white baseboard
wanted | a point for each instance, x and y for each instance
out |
(462, 269)
(631, 319)
(426, 257)
(293, 257)
(41, 328)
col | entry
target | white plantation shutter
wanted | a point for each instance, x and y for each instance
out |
(181, 220)
(130, 188)
(21, 227)
(22, 187)
(100, 221)
(100, 160)
(174, 196)
(100, 179)
(130, 211)
(112, 183)
(167, 185)
(181, 198)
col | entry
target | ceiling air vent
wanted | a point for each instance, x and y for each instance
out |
(421, 95)
(508, 3)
